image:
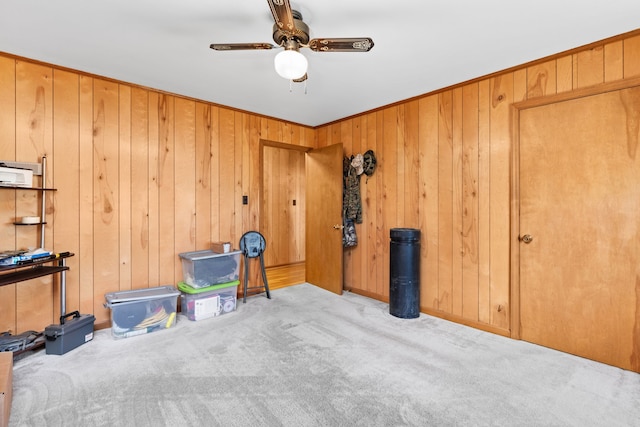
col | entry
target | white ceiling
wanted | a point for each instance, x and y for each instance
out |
(420, 45)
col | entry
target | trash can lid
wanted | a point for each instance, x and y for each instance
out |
(405, 234)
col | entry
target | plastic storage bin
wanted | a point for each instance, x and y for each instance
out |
(141, 311)
(204, 303)
(201, 269)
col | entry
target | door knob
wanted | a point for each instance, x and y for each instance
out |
(338, 226)
(527, 238)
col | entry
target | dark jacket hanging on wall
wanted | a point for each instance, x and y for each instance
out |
(351, 204)
(352, 201)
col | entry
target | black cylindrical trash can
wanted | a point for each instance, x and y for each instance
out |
(404, 273)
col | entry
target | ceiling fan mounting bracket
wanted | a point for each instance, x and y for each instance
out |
(299, 33)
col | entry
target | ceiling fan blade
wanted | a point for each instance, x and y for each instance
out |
(363, 44)
(282, 15)
(241, 46)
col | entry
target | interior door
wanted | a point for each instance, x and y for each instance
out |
(580, 226)
(323, 248)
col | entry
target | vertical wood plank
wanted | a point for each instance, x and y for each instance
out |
(323, 136)
(34, 134)
(499, 198)
(350, 255)
(429, 173)
(457, 180)
(484, 205)
(183, 238)
(564, 74)
(156, 108)
(613, 61)
(85, 255)
(255, 174)
(336, 133)
(358, 144)
(281, 208)
(541, 79)
(215, 174)
(227, 174)
(389, 175)
(298, 220)
(271, 198)
(203, 175)
(236, 200)
(359, 265)
(445, 202)
(359, 254)
(371, 202)
(105, 186)
(631, 50)
(139, 214)
(302, 209)
(470, 266)
(244, 212)
(590, 67)
(382, 228)
(519, 85)
(410, 152)
(8, 198)
(66, 138)
(167, 231)
(124, 184)
(400, 165)
(8, 102)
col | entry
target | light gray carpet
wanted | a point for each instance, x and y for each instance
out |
(308, 357)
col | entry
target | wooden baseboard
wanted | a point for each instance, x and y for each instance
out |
(368, 294)
(446, 316)
(472, 323)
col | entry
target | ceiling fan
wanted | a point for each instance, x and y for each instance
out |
(291, 33)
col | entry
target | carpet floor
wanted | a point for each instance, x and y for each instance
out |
(308, 357)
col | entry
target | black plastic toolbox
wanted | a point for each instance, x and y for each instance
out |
(69, 334)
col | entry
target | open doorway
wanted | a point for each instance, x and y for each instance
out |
(301, 203)
(282, 218)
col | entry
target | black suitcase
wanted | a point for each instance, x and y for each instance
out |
(69, 334)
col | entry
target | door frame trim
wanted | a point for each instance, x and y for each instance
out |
(514, 243)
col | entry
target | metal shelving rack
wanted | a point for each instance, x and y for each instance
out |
(36, 268)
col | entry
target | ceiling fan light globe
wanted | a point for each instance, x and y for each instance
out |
(291, 64)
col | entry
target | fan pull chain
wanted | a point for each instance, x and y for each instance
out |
(291, 86)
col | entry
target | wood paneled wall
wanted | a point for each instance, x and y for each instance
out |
(140, 175)
(143, 175)
(444, 167)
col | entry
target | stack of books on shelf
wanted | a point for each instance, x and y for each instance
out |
(19, 257)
